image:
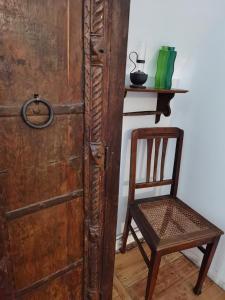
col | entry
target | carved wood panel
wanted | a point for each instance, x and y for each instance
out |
(41, 171)
(51, 61)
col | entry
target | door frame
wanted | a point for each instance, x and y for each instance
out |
(105, 26)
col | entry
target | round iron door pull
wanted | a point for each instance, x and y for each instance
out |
(37, 100)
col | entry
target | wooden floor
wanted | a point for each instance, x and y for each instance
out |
(177, 277)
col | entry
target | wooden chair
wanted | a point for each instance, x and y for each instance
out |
(166, 223)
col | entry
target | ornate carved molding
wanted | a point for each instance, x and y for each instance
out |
(87, 95)
(97, 50)
(97, 151)
(98, 14)
(97, 104)
(95, 68)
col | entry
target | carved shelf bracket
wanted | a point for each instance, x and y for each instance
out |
(163, 105)
(163, 101)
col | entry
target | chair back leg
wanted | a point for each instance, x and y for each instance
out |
(206, 262)
(125, 232)
(152, 275)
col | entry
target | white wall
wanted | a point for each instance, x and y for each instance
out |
(197, 29)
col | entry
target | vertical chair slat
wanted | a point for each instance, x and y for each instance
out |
(164, 147)
(176, 167)
(157, 144)
(133, 165)
(149, 158)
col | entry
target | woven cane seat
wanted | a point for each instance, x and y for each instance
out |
(172, 220)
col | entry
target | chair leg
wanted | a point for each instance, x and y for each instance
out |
(206, 262)
(152, 274)
(125, 232)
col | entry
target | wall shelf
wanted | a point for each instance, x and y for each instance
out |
(163, 101)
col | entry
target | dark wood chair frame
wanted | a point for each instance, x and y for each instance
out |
(210, 238)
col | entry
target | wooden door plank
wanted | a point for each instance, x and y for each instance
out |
(60, 288)
(35, 253)
(41, 51)
(41, 171)
(47, 163)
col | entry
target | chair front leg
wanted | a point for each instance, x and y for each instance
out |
(152, 274)
(206, 262)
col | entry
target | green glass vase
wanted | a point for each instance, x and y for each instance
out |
(170, 67)
(160, 78)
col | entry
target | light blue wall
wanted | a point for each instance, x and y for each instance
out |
(197, 30)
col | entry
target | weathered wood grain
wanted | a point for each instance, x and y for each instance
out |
(61, 287)
(32, 157)
(46, 241)
(41, 50)
(41, 171)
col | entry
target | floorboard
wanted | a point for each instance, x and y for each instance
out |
(177, 277)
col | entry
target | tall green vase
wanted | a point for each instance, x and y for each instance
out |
(163, 58)
(170, 67)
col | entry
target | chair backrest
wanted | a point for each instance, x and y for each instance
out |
(155, 137)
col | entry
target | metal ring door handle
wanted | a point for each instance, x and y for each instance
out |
(37, 100)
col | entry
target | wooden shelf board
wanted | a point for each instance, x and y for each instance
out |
(154, 90)
(141, 113)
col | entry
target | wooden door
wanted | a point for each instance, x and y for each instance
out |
(41, 170)
(54, 207)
